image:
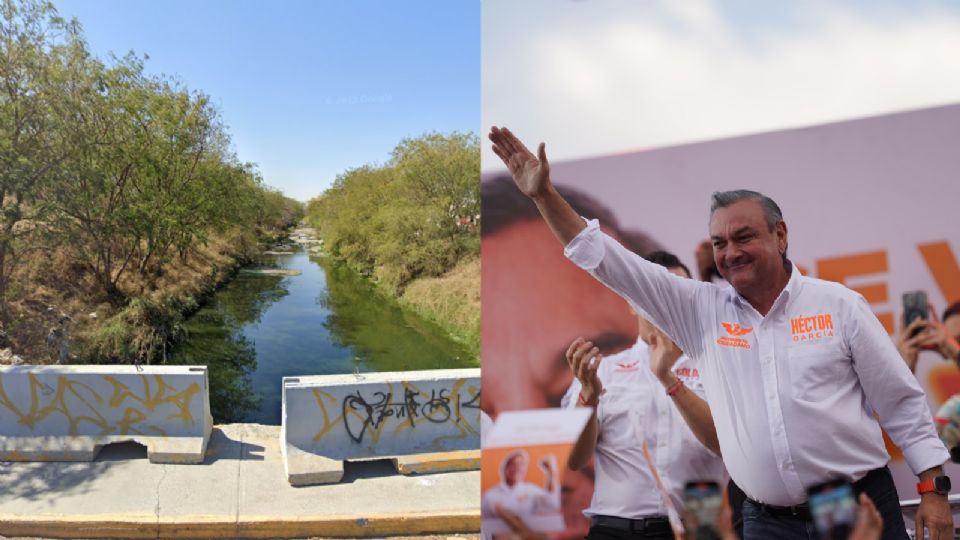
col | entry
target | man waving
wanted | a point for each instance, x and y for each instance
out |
(788, 362)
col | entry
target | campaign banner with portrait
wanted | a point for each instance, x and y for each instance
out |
(523, 457)
(870, 203)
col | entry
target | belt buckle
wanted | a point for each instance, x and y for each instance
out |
(638, 525)
(800, 511)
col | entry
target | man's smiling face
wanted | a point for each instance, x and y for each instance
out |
(746, 251)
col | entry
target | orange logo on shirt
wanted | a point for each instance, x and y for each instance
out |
(735, 330)
(813, 327)
(627, 367)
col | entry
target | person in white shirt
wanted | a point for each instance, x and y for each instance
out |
(629, 407)
(522, 498)
(797, 371)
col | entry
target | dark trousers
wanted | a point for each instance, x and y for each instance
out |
(758, 524)
(605, 533)
(660, 531)
(736, 497)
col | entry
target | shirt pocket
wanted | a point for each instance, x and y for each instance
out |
(622, 413)
(816, 369)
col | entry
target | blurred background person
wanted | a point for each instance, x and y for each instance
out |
(933, 335)
(529, 319)
(630, 406)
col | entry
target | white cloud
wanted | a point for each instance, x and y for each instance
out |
(599, 77)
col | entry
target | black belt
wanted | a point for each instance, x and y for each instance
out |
(650, 525)
(802, 511)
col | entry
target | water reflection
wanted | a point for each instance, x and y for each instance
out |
(327, 320)
(384, 337)
(216, 340)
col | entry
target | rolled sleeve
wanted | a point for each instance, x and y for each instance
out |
(893, 391)
(586, 249)
(925, 454)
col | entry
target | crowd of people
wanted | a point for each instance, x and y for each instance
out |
(754, 377)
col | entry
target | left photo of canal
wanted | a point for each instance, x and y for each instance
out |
(239, 269)
(297, 310)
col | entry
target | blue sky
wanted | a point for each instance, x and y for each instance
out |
(308, 89)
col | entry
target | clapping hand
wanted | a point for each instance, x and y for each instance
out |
(584, 360)
(663, 356)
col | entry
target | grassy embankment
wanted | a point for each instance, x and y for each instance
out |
(412, 225)
(148, 324)
(151, 324)
(452, 301)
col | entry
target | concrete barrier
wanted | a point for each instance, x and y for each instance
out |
(67, 413)
(329, 419)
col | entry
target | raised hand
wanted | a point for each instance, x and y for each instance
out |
(910, 347)
(941, 340)
(531, 173)
(548, 464)
(584, 360)
(663, 356)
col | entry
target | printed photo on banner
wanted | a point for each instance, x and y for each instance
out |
(523, 459)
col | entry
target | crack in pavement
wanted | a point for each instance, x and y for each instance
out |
(236, 530)
(163, 474)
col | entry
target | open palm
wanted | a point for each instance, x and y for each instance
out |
(531, 173)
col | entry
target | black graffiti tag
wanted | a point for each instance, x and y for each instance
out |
(374, 413)
(474, 403)
(437, 410)
(361, 415)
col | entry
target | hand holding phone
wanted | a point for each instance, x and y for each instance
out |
(915, 306)
(834, 509)
(702, 502)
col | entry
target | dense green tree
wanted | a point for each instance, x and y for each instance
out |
(36, 52)
(125, 169)
(415, 216)
(113, 169)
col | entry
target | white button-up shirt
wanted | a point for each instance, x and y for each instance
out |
(634, 404)
(790, 392)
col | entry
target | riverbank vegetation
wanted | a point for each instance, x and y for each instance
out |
(452, 300)
(412, 225)
(121, 200)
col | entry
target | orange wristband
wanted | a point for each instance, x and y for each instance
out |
(675, 387)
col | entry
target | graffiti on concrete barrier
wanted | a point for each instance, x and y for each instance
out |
(81, 403)
(366, 413)
(376, 411)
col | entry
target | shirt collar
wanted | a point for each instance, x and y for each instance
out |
(786, 295)
(792, 289)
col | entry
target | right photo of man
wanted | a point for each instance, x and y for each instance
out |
(781, 155)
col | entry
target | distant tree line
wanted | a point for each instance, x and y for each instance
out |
(123, 171)
(416, 215)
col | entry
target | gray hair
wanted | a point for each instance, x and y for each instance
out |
(771, 211)
(723, 199)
